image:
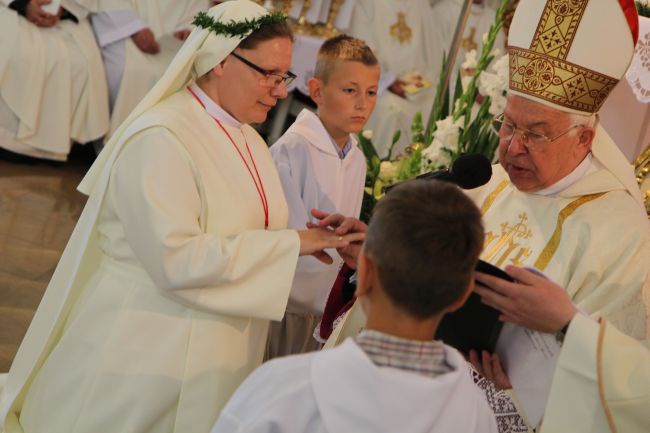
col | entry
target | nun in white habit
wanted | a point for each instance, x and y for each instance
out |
(160, 304)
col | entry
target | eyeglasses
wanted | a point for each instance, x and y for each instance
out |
(530, 139)
(271, 79)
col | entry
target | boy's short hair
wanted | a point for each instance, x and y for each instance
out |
(425, 238)
(342, 48)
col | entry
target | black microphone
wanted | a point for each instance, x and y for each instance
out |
(468, 172)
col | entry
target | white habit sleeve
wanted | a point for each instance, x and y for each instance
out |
(155, 193)
(116, 25)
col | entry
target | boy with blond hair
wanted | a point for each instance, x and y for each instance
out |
(416, 265)
(321, 167)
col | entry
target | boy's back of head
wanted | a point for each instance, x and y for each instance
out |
(342, 48)
(425, 238)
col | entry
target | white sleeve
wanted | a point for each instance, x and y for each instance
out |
(292, 182)
(155, 191)
(116, 25)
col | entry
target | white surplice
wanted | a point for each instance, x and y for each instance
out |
(52, 85)
(130, 72)
(598, 384)
(160, 304)
(341, 390)
(405, 37)
(314, 176)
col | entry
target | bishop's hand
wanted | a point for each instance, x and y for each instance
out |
(532, 301)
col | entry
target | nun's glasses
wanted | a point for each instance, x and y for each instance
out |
(271, 79)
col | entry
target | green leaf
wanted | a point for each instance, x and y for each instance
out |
(239, 29)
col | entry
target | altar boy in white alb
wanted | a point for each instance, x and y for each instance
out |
(393, 376)
(321, 167)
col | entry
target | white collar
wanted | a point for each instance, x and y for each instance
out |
(213, 109)
(587, 166)
(309, 125)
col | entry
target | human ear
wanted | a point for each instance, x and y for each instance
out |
(587, 135)
(315, 89)
(218, 70)
(366, 272)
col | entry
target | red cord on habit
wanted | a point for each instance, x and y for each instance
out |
(258, 183)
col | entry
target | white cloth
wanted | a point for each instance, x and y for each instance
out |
(580, 392)
(130, 72)
(422, 52)
(587, 166)
(172, 304)
(313, 176)
(188, 385)
(575, 236)
(341, 390)
(638, 74)
(52, 86)
(480, 19)
(113, 26)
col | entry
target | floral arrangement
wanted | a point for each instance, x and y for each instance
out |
(643, 8)
(457, 125)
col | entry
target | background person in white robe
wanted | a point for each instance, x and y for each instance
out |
(321, 167)
(160, 304)
(139, 39)
(52, 85)
(481, 17)
(405, 36)
(602, 380)
(393, 376)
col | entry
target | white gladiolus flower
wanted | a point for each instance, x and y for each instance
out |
(367, 133)
(387, 171)
(495, 84)
(434, 156)
(497, 105)
(502, 65)
(464, 82)
(447, 132)
(470, 60)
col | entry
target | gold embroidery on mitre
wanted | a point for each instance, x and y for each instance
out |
(400, 30)
(499, 247)
(557, 27)
(554, 242)
(558, 81)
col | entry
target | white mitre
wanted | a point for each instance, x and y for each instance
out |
(571, 54)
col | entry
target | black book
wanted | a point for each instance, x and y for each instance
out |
(474, 325)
